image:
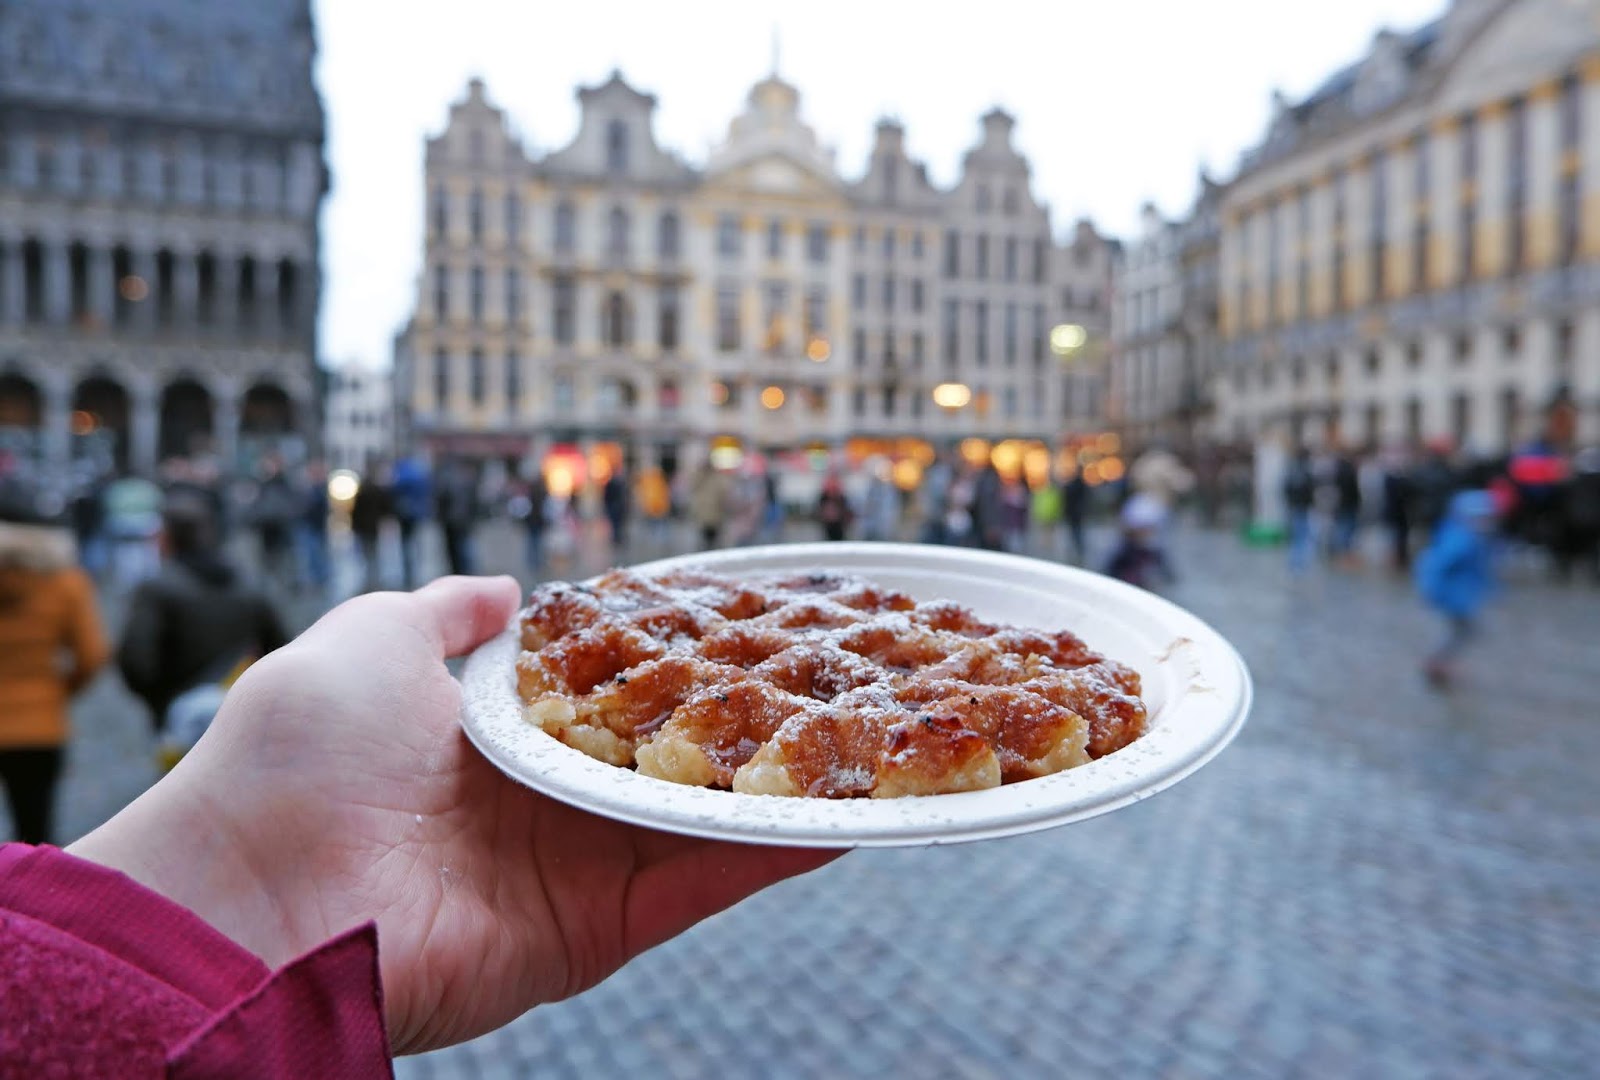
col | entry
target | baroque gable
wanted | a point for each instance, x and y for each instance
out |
(1523, 43)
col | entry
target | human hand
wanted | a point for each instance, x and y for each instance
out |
(335, 786)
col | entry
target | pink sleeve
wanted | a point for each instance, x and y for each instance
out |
(100, 976)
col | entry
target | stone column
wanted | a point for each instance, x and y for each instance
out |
(225, 305)
(144, 424)
(102, 287)
(185, 288)
(225, 422)
(57, 283)
(57, 420)
(268, 325)
(11, 282)
(143, 262)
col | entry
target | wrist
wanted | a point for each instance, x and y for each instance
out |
(170, 842)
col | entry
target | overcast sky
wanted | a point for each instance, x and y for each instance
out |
(1117, 101)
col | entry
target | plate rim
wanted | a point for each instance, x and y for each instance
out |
(1012, 815)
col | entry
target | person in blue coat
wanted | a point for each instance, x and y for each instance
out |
(1455, 576)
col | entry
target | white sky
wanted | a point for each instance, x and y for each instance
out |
(1117, 101)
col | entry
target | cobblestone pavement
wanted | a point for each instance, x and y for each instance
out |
(1373, 881)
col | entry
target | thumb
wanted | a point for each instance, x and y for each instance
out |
(461, 613)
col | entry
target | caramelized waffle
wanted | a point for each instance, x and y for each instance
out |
(820, 685)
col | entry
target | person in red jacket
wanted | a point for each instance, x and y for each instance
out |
(334, 875)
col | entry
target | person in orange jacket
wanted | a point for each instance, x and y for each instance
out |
(47, 610)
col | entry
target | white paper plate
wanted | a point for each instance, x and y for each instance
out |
(1196, 687)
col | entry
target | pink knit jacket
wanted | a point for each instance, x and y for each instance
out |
(100, 976)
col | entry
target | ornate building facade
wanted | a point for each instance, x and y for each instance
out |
(1414, 251)
(160, 176)
(758, 301)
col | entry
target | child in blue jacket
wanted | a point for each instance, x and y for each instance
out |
(1455, 575)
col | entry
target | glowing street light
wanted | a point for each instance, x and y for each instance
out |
(818, 349)
(772, 397)
(952, 395)
(1067, 338)
(343, 485)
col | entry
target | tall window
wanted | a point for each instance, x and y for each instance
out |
(1040, 251)
(1378, 250)
(1009, 269)
(952, 254)
(858, 348)
(1517, 184)
(727, 318)
(564, 392)
(667, 235)
(615, 330)
(1010, 334)
(440, 201)
(513, 295)
(475, 214)
(916, 295)
(816, 312)
(917, 349)
(513, 216)
(774, 239)
(617, 233)
(774, 317)
(888, 292)
(916, 244)
(441, 292)
(441, 379)
(1420, 239)
(888, 243)
(1467, 241)
(566, 228)
(1038, 337)
(564, 305)
(476, 293)
(667, 317)
(980, 329)
(730, 236)
(952, 332)
(1571, 112)
(1469, 148)
(858, 292)
(478, 376)
(817, 243)
(513, 380)
(982, 268)
(1571, 216)
(617, 147)
(1422, 154)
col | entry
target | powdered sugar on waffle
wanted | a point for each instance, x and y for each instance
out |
(818, 685)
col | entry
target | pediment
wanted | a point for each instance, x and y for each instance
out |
(774, 174)
(1525, 43)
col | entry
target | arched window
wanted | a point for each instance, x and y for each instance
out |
(617, 233)
(667, 235)
(566, 229)
(614, 320)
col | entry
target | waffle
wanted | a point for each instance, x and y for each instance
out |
(819, 685)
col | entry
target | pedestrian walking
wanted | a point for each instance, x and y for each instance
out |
(372, 506)
(411, 492)
(1299, 495)
(1075, 493)
(616, 499)
(1139, 558)
(531, 509)
(933, 499)
(1344, 500)
(1455, 575)
(988, 525)
(1013, 514)
(459, 512)
(880, 503)
(311, 528)
(274, 511)
(708, 503)
(191, 630)
(1398, 498)
(51, 646)
(655, 503)
(833, 508)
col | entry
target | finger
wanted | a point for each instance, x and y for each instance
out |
(667, 898)
(462, 613)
